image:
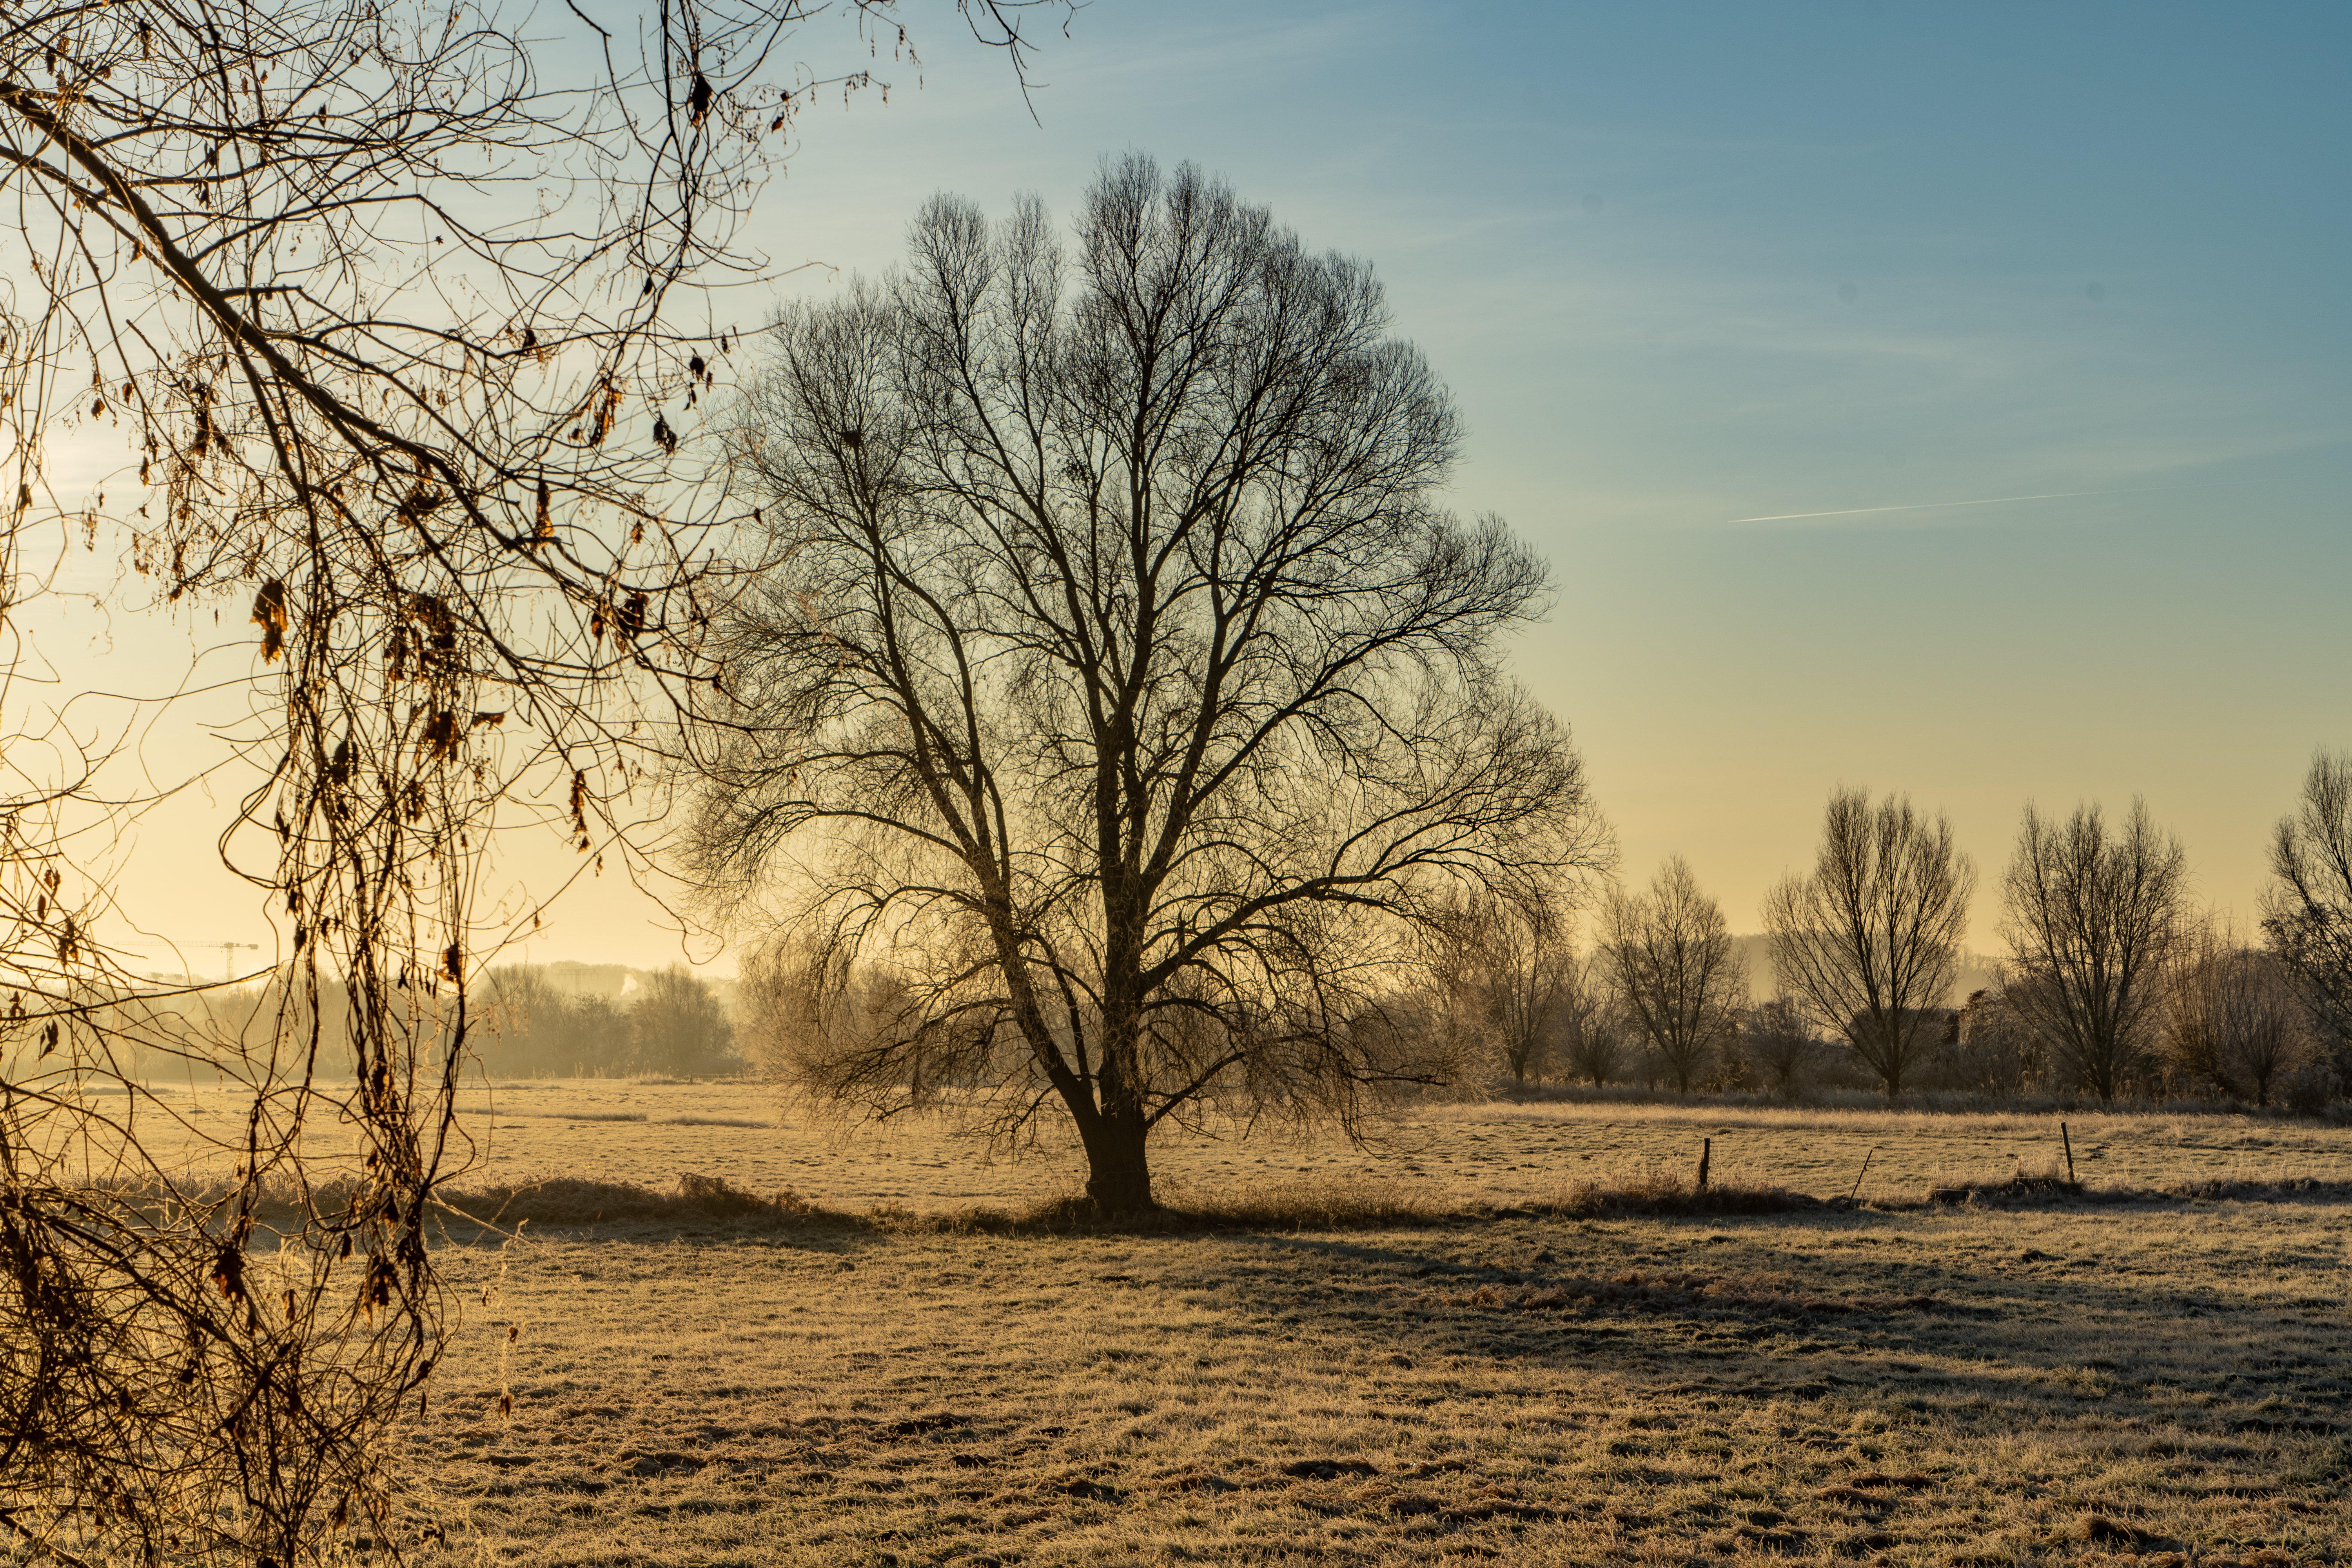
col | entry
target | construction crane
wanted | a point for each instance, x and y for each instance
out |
(228, 957)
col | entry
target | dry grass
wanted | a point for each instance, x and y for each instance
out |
(1293, 1205)
(1442, 1157)
(1576, 1361)
(1513, 1333)
(1935, 1386)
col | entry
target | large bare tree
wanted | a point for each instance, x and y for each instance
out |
(1870, 940)
(1675, 970)
(1114, 679)
(394, 315)
(2307, 909)
(2091, 920)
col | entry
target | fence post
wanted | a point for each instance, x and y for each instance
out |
(1858, 1175)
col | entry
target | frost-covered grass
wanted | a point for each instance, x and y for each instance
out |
(1473, 1372)
(1446, 1155)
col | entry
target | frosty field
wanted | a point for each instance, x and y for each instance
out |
(1447, 1154)
(620, 1130)
(2162, 1380)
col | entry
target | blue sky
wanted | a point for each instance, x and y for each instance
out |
(1690, 264)
(1687, 264)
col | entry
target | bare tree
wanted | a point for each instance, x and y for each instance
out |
(1506, 973)
(1114, 678)
(2264, 1032)
(1590, 1029)
(2092, 921)
(804, 1005)
(600, 1035)
(679, 1026)
(1995, 1049)
(528, 1023)
(2307, 909)
(1872, 936)
(2232, 1016)
(1782, 1050)
(1675, 970)
(397, 338)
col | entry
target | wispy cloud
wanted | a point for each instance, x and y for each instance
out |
(1934, 505)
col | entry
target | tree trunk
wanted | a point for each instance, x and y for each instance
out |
(1118, 1175)
(1890, 1060)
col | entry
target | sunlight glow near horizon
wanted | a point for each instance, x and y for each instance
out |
(1692, 273)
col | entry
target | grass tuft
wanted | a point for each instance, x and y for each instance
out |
(2037, 1187)
(1296, 1206)
(571, 1201)
(1656, 1196)
(2042, 1189)
(1280, 1206)
(2308, 1189)
(1308, 1205)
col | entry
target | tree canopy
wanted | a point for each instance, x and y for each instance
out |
(2093, 919)
(1113, 677)
(1869, 941)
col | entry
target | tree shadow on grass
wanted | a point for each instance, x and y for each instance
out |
(1773, 1319)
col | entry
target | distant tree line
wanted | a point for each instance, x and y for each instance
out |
(673, 1025)
(524, 1024)
(2112, 986)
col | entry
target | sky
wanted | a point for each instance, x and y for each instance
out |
(1952, 400)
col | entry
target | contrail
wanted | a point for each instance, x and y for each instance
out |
(1928, 505)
